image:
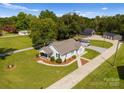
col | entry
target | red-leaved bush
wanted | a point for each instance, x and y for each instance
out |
(9, 28)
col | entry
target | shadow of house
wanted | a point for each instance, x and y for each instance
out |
(6, 52)
(120, 70)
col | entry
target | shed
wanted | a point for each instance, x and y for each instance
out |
(112, 36)
(23, 32)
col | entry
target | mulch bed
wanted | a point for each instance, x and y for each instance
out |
(83, 61)
(50, 62)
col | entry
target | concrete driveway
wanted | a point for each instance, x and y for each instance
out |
(98, 49)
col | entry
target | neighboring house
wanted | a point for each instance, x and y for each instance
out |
(62, 49)
(88, 32)
(23, 32)
(112, 36)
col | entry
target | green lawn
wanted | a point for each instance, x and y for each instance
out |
(90, 54)
(8, 34)
(101, 43)
(28, 73)
(106, 76)
(18, 42)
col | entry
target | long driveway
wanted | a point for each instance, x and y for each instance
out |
(76, 76)
(11, 36)
(21, 50)
(98, 49)
(16, 51)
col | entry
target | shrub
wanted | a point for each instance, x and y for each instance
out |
(65, 60)
(52, 59)
(59, 60)
(1, 33)
(74, 56)
(9, 28)
(37, 55)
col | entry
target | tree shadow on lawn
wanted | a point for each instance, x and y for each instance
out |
(4, 52)
(120, 70)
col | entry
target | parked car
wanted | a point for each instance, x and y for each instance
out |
(85, 43)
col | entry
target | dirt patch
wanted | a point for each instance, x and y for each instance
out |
(10, 68)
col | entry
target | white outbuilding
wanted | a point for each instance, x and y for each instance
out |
(23, 32)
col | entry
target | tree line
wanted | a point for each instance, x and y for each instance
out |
(47, 27)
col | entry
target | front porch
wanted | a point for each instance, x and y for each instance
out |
(44, 55)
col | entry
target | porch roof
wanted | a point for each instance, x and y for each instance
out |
(47, 50)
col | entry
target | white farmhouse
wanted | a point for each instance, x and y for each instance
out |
(62, 49)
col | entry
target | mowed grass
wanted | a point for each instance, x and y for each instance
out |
(101, 43)
(91, 54)
(28, 73)
(9, 34)
(106, 76)
(18, 42)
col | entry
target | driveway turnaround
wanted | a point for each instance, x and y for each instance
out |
(76, 76)
(98, 49)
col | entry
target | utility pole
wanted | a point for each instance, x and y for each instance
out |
(119, 38)
(115, 54)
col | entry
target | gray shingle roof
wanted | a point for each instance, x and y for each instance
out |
(66, 46)
(109, 34)
(88, 31)
(47, 50)
(113, 35)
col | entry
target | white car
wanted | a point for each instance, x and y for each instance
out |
(85, 43)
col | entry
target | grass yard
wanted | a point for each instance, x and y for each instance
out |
(28, 73)
(106, 76)
(18, 42)
(91, 54)
(9, 34)
(101, 43)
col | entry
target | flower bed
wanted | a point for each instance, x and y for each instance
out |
(83, 61)
(53, 62)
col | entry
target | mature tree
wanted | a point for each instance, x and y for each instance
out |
(1, 32)
(48, 14)
(48, 26)
(62, 30)
(74, 24)
(43, 31)
(22, 21)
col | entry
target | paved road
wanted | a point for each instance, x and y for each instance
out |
(77, 75)
(98, 49)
